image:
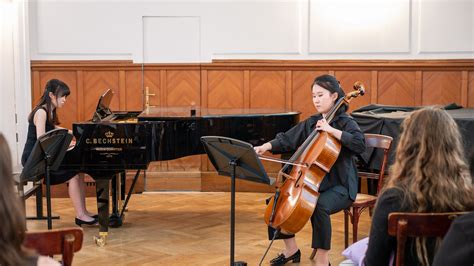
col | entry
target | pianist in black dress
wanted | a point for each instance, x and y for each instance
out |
(339, 187)
(44, 118)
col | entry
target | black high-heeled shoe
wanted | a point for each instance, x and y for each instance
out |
(281, 260)
(80, 222)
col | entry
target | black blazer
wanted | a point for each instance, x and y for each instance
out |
(344, 171)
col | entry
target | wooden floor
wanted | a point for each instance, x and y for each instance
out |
(173, 228)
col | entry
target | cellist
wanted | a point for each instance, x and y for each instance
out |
(339, 187)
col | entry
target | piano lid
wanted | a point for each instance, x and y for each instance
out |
(199, 112)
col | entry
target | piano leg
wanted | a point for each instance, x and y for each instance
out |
(123, 188)
(115, 218)
(102, 190)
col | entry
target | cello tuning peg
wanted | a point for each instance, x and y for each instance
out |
(360, 87)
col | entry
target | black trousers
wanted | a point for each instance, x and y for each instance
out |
(330, 201)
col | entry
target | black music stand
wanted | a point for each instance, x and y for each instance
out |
(234, 158)
(47, 155)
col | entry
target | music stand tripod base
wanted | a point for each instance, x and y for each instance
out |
(236, 159)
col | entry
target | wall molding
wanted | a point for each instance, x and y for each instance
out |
(446, 64)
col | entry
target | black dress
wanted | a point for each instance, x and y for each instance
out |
(339, 187)
(57, 177)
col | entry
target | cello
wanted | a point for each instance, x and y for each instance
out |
(295, 199)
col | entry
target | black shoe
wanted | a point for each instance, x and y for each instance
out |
(81, 222)
(95, 216)
(280, 260)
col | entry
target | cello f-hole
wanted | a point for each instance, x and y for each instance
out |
(298, 178)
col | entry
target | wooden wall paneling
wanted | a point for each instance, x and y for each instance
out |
(204, 88)
(134, 93)
(36, 89)
(68, 114)
(204, 103)
(397, 82)
(173, 181)
(61, 190)
(267, 89)
(288, 90)
(211, 181)
(302, 100)
(152, 80)
(155, 167)
(95, 84)
(470, 94)
(185, 164)
(163, 89)
(246, 89)
(80, 95)
(396, 88)
(122, 91)
(441, 87)
(464, 88)
(418, 87)
(155, 80)
(81, 117)
(183, 88)
(347, 79)
(225, 89)
(374, 87)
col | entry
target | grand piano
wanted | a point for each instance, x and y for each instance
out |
(113, 142)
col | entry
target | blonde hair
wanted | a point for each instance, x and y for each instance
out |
(430, 167)
(12, 222)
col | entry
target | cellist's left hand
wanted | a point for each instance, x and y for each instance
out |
(323, 125)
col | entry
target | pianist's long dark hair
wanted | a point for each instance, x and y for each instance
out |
(58, 89)
(12, 221)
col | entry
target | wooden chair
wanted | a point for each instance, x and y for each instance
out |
(63, 242)
(404, 225)
(364, 201)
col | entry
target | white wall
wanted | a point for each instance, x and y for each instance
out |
(199, 31)
(15, 89)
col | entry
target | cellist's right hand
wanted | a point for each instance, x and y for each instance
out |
(263, 148)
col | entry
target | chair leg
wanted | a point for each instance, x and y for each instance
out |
(346, 228)
(312, 254)
(39, 202)
(68, 249)
(48, 199)
(355, 223)
(21, 193)
(371, 211)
